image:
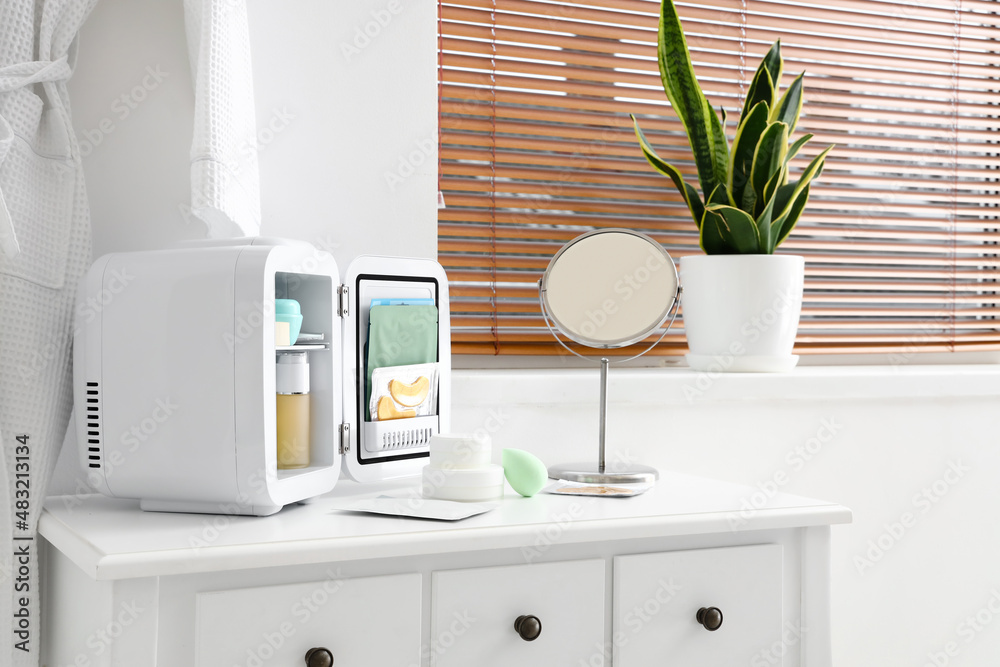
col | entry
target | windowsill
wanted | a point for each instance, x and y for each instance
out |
(683, 386)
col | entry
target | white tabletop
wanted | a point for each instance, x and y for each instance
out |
(113, 539)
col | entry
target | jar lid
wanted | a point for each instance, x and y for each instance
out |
(287, 307)
(291, 373)
(293, 358)
(460, 450)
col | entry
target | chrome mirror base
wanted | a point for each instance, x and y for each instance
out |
(590, 473)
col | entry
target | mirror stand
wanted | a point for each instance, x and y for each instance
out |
(622, 472)
(632, 280)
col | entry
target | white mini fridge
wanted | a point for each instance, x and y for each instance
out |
(174, 373)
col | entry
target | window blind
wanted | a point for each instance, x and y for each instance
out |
(900, 235)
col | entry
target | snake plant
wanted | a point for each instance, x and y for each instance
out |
(749, 206)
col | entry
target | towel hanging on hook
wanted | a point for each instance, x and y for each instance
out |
(225, 182)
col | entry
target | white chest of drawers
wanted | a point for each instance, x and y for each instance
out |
(588, 582)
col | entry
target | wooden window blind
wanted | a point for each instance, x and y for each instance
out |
(900, 235)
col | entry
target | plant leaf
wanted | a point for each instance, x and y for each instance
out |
(794, 148)
(726, 230)
(747, 135)
(690, 195)
(794, 212)
(778, 179)
(720, 195)
(774, 64)
(789, 199)
(761, 90)
(785, 199)
(771, 189)
(768, 158)
(788, 108)
(704, 130)
(720, 147)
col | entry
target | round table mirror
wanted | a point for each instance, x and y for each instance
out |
(607, 289)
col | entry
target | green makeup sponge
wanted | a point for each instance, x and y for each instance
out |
(525, 473)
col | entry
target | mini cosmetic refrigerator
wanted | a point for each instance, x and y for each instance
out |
(175, 373)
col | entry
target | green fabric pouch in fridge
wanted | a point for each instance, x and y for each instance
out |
(399, 336)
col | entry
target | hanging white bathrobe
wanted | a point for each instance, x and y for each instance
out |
(225, 189)
(44, 250)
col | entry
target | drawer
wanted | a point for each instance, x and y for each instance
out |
(473, 613)
(277, 625)
(657, 598)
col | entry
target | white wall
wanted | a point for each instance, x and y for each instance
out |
(356, 167)
(354, 117)
(135, 136)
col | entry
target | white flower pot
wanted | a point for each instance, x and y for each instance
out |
(741, 312)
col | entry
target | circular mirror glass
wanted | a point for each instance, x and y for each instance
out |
(609, 288)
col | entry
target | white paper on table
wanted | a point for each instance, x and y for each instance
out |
(419, 508)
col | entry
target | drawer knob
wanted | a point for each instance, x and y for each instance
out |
(710, 617)
(528, 627)
(319, 657)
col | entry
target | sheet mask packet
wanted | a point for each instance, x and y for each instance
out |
(399, 335)
(402, 302)
(418, 508)
(561, 487)
(399, 392)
